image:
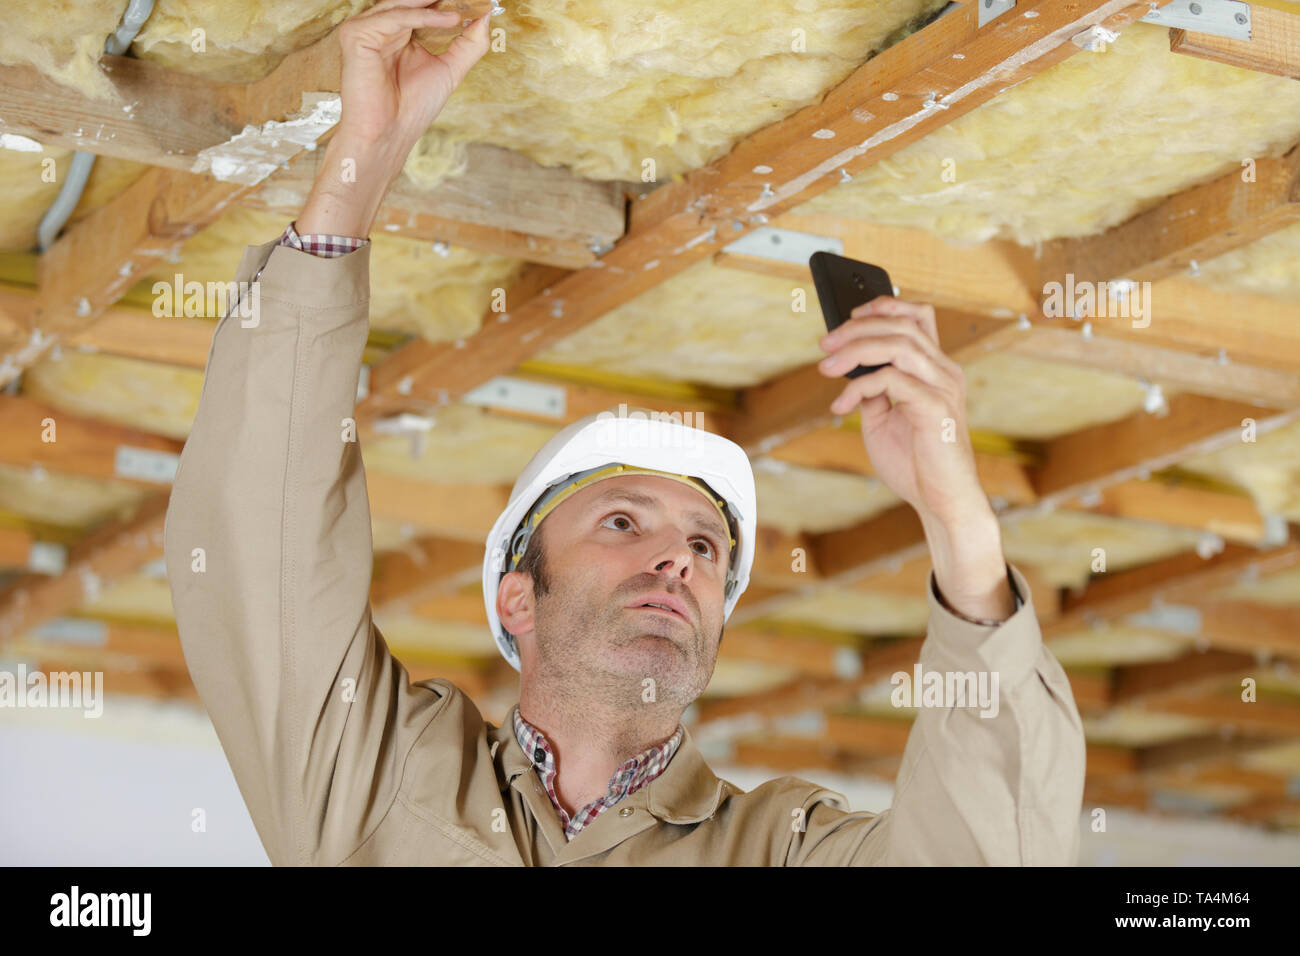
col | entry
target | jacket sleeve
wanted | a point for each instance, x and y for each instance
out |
(1003, 789)
(268, 551)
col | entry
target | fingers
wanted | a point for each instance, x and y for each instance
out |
(383, 5)
(920, 401)
(897, 350)
(922, 312)
(467, 49)
(892, 314)
(394, 23)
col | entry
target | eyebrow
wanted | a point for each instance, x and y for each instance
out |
(699, 518)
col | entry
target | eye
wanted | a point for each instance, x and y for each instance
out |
(711, 553)
(618, 517)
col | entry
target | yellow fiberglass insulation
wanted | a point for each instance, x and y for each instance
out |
(466, 445)
(1081, 147)
(596, 85)
(1062, 545)
(1268, 467)
(735, 328)
(413, 288)
(1267, 266)
(1028, 398)
(61, 38)
(1129, 727)
(602, 86)
(1115, 644)
(858, 612)
(794, 499)
(65, 500)
(135, 597)
(29, 185)
(707, 324)
(1282, 588)
(150, 396)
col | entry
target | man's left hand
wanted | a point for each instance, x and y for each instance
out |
(914, 428)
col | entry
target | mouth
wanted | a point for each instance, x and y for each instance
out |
(663, 604)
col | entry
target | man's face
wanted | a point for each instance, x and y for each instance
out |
(611, 549)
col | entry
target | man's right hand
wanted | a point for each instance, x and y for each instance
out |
(392, 89)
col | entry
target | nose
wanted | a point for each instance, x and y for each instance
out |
(674, 556)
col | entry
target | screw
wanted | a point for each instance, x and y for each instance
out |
(1195, 8)
(1240, 18)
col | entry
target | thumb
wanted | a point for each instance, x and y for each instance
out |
(466, 49)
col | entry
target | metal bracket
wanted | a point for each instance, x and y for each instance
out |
(783, 245)
(519, 395)
(1177, 618)
(990, 10)
(47, 557)
(1223, 18)
(73, 630)
(145, 464)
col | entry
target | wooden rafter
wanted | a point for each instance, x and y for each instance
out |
(1273, 47)
(905, 92)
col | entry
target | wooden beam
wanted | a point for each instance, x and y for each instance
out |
(840, 448)
(1177, 579)
(112, 551)
(791, 754)
(1261, 716)
(459, 512)
(1149, 680)
(1273, 47)
(810, 693)
(428, 567)
(1093, 691)
(1246, 626)
(1231, 516)
(868, 736)
(997, 278)
(1199, 223)
(80, 446)
(541, 212)
(1189, 753)
(167, 118)
(1239, 381)
(876, 111)
(154, 115)
(1092, 458)
(15, 548)
(805, 655)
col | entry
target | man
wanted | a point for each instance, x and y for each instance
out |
(607, 581)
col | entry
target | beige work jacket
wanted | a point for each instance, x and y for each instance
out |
(342, 761)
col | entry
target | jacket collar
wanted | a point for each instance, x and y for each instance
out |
(686, 792)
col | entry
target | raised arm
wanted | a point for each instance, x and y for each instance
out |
(999, 781)
(267, 538)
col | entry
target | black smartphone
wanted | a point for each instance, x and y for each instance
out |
(843, 285)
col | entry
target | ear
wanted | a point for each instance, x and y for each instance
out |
(515, 603)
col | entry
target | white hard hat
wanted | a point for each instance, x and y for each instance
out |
(607, 445)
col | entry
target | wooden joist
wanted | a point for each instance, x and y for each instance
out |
(897, 97)
(1199, 223)
(110, 552)
(33, 434)
(1273, 47)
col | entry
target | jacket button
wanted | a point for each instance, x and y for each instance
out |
(625, 812)
(539, 755)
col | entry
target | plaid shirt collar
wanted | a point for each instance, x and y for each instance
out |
(633, 774)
